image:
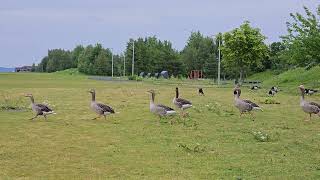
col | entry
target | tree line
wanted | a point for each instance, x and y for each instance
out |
(243, 51)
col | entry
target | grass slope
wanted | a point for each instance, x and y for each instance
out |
(289, 80)
(214, 143)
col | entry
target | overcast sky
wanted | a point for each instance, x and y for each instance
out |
(28, 28)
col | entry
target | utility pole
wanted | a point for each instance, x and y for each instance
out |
(124, 65)
(112, 63)
(219, 61)
(132, 73)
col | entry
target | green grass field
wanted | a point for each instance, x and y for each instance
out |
(212, 143)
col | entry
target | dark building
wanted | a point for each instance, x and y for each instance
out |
(23, 69)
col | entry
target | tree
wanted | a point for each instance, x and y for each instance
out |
(75, 55)
(42, 66)
(275, 51)
(58, 59)
(95, 60)
(303, 39)
(200, 54)
(243, 49)
(152, 55)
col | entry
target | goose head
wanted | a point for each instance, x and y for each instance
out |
(28, 95)
(92, 91)
(301, 87)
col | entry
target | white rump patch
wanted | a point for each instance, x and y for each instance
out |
(106, 113)
(47, 113)
(170, 112)
(257, 108)
(186, 106)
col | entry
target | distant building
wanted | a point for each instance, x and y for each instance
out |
(23, 69)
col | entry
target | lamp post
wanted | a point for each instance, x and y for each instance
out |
(132, 73)
(111, 62)
(124, 65)
(219, 62)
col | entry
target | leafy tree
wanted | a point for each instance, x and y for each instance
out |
(42, 66)
(95, 60)
(200, 54)
(152, 55)
(58, 59)
(275, 51)
(243, 49)
(75, 55)
(303, 39)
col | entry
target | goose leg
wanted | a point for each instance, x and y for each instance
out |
(45, 117)
(252, 115)
(34, 117)
(105, 118)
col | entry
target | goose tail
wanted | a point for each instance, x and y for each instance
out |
(258, 108)
(50, 112)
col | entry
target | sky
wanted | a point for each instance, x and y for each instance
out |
(28, 28)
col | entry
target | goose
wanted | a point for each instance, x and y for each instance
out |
(99, 108)
(200, 91)
(39, 109)
(310, 91)
(308, 107)
(255, 87)
(244, 105)
(274, 90)
(159, 109)
(181, 103)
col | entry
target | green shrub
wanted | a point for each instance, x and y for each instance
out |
(135, 78)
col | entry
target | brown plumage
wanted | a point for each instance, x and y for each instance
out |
(180, 102)
(99, 108)
(243, 105)
(308, 107)
(39, 109)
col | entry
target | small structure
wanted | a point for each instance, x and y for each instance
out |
(23, 69)
(148, 75)
(142, 74)
(195, 74)
(164, 74)
(156, 75)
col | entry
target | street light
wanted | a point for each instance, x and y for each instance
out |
(219, 62)
(132, 58)
(111, 62)
(124, 64)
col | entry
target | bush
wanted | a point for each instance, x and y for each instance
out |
(135, 78)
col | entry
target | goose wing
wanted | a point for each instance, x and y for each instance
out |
(43, 108)
(251, 103)
(182, 101)
(166, 108)
(105, 107)
(315, 104)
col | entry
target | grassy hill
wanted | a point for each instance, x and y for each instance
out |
(289, 80)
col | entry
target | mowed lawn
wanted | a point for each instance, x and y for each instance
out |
(212, 143)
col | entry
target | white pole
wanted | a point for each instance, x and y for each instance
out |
(132, 58)
(112, 62)
(124, 65)
(219, 60)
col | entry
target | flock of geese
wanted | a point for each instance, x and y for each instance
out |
(244, 105)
